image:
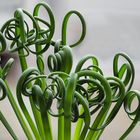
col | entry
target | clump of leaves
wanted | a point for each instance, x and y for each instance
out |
(80, 94)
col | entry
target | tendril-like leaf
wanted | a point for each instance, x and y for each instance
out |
(64, 28)
(134, 115)
(3, 91)
(127, 67)
(7, 68)
(2, 43)
(51, 24)
(61, 60)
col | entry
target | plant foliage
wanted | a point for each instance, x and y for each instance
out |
(80, 94)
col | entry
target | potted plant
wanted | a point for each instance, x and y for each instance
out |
(80, 93)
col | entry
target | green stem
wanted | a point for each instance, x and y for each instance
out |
(96, 134)
(39, 52)
(7, 126)
(27, 115)
(79, 126)
(107, 102)
(61, 126)
(87, 118)
(40, 66)
(18, 113)
(115, 109)
(68, 105)
(38, 94)
(127, 102)
(21, 31)
(46, 126)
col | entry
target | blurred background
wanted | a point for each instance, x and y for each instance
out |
(112, 26)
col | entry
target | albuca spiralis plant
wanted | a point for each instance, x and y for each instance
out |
(80, 94)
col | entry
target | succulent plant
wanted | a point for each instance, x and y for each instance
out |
(80, 93)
